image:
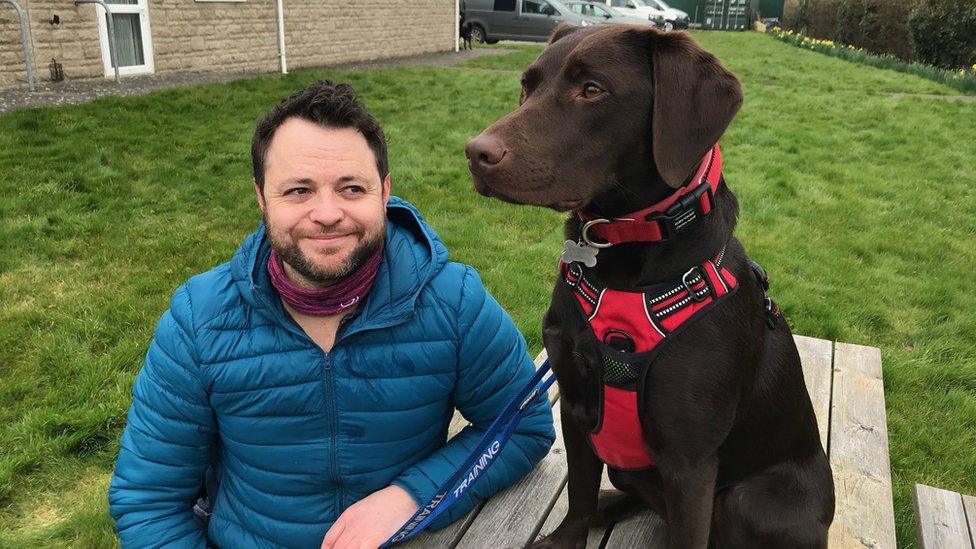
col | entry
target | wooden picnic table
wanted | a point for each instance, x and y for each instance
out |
(946, 519)
(845, 386)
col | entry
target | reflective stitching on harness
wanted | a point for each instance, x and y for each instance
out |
(596, 307)
(697, 295)
(674, 290)
(721, 256)
(718, 274)
(654, 325)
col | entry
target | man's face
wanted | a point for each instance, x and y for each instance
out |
(324, 203)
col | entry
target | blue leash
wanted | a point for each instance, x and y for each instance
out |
(483, 456)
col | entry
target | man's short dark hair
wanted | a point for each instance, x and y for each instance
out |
(329, 105)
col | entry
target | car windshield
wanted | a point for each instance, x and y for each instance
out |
(660, 5)
(593, 10)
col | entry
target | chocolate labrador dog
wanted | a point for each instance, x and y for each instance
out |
(674, 368)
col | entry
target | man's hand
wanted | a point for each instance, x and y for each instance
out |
(372, 520)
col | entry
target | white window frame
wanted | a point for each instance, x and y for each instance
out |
(142, 10)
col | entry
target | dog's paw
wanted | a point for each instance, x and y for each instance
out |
(568, 535)
(615, 506)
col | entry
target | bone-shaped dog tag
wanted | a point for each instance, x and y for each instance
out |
(579, 252)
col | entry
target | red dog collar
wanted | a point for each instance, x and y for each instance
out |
(663, 220)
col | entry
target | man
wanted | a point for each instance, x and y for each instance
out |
(316, 372)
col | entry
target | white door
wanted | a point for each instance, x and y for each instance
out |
(133, 41)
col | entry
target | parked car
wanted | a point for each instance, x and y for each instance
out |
(532, 20)
(654, 10)
(604, 13)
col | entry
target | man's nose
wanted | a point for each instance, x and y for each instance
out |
(326, 209)
(485, 152)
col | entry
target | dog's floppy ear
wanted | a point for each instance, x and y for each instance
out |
(561, 30)
(695, 99)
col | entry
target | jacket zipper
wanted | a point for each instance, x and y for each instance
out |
(334, 426)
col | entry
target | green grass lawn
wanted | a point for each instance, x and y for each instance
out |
(859, 203)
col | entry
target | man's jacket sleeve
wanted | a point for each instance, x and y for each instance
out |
(166, 444)
(493, 365)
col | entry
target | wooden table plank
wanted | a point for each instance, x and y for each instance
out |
(941, 519)
(816, 358)
(512, 517)
(969, 505)
(449, 537)
(859, 451)
(595, 536)
(445, 538)
(645, 529)
(593, 539)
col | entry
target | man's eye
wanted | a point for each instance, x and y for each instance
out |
(297, 190)
(355, 189)
(592, 91)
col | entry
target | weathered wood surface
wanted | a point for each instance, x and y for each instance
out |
(864, 515)
(645, 529)
(452, 535)
(514, 516)
(942, 520)
(969, 504)
(846, 390)
(595, 537)
(816, 356)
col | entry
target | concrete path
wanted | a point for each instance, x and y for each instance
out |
(80, 91)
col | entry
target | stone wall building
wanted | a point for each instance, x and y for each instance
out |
(162, 36)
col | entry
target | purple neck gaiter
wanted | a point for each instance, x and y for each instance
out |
(343, 295)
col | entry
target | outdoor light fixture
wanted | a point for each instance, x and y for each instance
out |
(57, 71)
(55, 20)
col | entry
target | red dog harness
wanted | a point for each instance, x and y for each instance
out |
(630, 328)
(632, 325)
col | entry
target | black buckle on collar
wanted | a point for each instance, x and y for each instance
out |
(684, 213)
(687, 280)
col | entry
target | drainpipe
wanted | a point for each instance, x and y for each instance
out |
(24, 41)
(457, 24)
(281, 37)
(111, 34)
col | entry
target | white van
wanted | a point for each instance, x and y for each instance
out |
(653, 10)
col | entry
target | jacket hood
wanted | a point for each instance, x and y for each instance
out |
(412, 256)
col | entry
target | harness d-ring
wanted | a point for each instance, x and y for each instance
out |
(584, 234)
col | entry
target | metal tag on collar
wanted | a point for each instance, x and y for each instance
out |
(579, 252)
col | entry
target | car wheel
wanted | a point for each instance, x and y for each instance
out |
(477, 34)
(668, 26)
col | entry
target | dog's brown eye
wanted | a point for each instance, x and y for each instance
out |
(591, 90)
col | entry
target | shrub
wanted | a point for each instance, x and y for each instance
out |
(944, 32)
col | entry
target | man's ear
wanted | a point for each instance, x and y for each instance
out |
(386, 189)
(561, 30)
(695, 99)
(261, 204)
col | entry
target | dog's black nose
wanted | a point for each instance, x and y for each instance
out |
(485, 151)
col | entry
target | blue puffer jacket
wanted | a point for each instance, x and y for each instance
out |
(298, 435)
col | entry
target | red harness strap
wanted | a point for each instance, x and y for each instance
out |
(628, 326)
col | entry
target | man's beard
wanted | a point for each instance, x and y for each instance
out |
(290, 253)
